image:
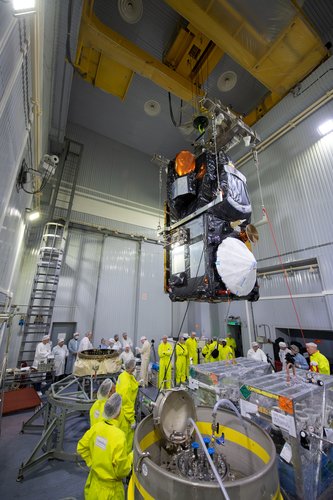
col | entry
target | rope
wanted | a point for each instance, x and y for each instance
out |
(215, 153)
(159, 199)
(256, 162)
(285, 274)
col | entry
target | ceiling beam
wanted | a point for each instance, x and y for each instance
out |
(99, 47)
(192, 54)
(279, 64)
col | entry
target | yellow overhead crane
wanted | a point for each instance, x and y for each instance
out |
(279, 65)
(108, 60)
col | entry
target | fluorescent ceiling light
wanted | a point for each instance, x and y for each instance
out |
(24, 6)
(326, 127)
(34, 215)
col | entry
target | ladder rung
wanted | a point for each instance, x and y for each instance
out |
(38, 324)
(31, 341)
(47, 278)
(46, 283)
(44, 315)
(42, 332)
(32, 299)
(47, 274)
(45, 263)
(36, 288)
(38, 307)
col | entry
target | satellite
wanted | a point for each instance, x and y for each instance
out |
(208, 231)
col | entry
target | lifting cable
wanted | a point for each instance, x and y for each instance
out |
(265, 214)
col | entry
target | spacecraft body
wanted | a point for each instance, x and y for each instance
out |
(208, 230)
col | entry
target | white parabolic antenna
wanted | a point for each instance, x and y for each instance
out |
(237, 266)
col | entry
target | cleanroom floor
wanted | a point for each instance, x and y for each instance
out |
(51, 480)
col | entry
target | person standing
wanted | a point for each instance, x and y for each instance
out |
(205, 351)
(43, 351)
(73, 349)
(104, 449)
(231, 342)
(127, 354)
(127, 386)
(318, 362)
(164, 374)
(60, 353)
(214, 352)
(110, 343)
(282, 353)
(42, 354)
(126, 340)
(181, 361)
(225, 352)
(85, 343)
(117, 346)
(145, 359)
(300, 361)
(192, 351)
(256, 353)
(105, 390)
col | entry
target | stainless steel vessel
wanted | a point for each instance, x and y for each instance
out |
(247, 449)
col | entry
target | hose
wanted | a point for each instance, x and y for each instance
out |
(210, 461)
(228, 404)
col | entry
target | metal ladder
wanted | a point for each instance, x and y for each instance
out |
(52, 249)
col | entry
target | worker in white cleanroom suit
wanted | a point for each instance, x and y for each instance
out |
(256, 353)
(282, 353)
(145, 359)
(43, 351)
(73, 349)
(60, 353)
(85, 343)
(127, 354)
(126, 340)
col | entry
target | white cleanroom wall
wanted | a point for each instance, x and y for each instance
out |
(112, 285)
(77, 287)
(154, 305)
(116, 295)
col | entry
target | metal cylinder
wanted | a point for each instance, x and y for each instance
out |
(248, 449)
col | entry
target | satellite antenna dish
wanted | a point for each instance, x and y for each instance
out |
(130, 10)
(252, 233)
(227, 81)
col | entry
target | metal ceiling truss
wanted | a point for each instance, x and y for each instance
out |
(108, 60)
(279, 65)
